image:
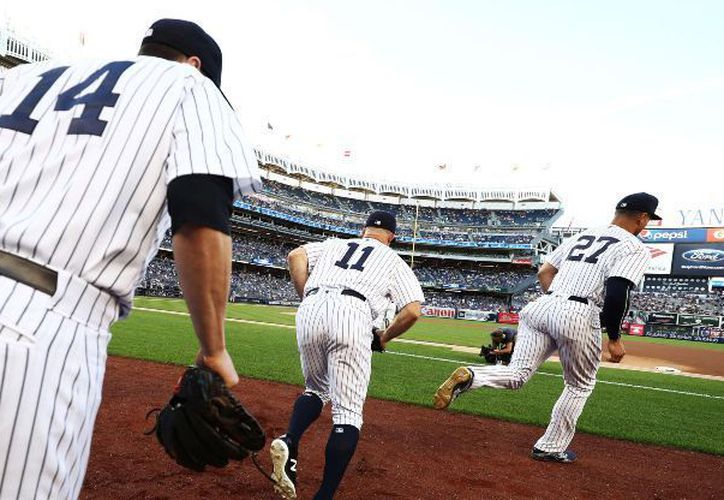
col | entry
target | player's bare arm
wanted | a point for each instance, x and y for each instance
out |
(298, 265)
(203, 259)
(545, 276)
(402, 322)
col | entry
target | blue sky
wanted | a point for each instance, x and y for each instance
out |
(592, 99)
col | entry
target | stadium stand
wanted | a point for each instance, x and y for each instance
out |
(16, 49)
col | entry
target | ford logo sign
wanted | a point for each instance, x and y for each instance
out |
(704, 255)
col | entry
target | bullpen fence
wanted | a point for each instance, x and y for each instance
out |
(695, 327)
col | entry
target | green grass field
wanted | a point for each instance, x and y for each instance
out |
(638, 406)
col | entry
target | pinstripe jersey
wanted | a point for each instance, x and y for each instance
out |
(87, 150)
(585, 261)
(364, 265)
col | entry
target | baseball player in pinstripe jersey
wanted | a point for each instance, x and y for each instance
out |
(586, 281)
(97, 160)
(344, 286)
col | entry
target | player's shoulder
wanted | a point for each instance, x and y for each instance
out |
(82, 67)
(628, 243)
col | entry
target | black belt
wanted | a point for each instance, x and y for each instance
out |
(582, 300)
(28, 273)
(346, 291)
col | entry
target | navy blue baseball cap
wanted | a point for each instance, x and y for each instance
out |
(383, 220)
(640, 202)
(191, 40)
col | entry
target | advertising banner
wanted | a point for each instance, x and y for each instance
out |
(475, 315)
(509, 318)
(523, 260)
(683, 235)
(699, 259)
(662, 255)
(699, 333)
(636, 329)
(710, 334)
(662, 318)
(715, 235)
(438, 312)
(694, 320)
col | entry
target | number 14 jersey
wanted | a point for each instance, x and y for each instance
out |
(87, 150)
(585, 261)
(366, 266)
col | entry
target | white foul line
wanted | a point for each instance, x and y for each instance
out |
(548, 374)
(446, 360)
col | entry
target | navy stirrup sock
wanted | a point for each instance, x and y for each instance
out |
(340, 448)
(307, 409)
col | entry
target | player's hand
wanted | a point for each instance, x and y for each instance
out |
(221, 363)
(383, 338)
(616, 350)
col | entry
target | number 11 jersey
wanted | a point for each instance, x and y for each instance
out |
(366, 266)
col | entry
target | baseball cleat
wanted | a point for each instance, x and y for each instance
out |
(563, 457)
(284, 459)
(458, 382)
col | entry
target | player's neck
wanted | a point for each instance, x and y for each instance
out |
(625, 224)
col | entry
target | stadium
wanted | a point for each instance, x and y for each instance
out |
(653, 419)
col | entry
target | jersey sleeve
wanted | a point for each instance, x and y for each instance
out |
(632, 264)
(207, 138)
(405, 287)
(314, 251)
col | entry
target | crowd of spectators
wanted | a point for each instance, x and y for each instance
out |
(161, 279)
(276, 191)
(253, 285)
(679, 302)
(352, 224)
(469, 275)
(260, 250)
(465, 301)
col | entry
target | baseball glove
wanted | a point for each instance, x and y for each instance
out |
(204, 424)
(376, 342)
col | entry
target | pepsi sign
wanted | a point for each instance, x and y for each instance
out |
(697, 235)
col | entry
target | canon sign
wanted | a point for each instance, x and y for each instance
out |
(704, 255)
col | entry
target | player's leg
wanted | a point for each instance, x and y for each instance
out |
(311, 339)
(349, 376)
(579, 348)
(533, 346)
(311, 332)
(50, 393)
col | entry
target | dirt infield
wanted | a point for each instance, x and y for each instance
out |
(405, 452)
(689, 357)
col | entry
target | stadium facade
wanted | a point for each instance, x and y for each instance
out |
(475, 250)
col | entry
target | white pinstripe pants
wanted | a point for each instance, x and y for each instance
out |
(52, 362)
(334, 334)
(553, 322)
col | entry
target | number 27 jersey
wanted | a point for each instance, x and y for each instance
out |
(585, 261)
(366, 266)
